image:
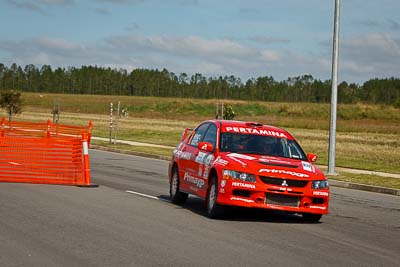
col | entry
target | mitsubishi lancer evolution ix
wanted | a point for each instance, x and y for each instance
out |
(247, 164)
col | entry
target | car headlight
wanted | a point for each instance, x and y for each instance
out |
(323, 184)
(242, 176)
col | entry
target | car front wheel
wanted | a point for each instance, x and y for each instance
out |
(177, 197)
(214, 210)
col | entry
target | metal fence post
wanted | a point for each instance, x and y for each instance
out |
(3, 122)
(48, 128)
(90, 128)
(111, 121)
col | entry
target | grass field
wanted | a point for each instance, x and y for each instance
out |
(351, 118)
(368, 136)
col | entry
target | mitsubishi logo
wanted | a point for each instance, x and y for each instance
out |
(284, 183)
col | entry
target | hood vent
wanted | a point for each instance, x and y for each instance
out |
(279, 165)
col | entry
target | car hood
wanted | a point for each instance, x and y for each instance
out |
(269, 166)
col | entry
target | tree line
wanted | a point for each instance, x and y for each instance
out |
(162, 83)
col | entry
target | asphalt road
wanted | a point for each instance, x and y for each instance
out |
(47, 225)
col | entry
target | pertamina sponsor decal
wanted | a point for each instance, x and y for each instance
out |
(297, 174)
(242, 199)
(255, 131)
(318, 207)
(320, 193)
(252, 186)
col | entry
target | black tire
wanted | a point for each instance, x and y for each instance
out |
(311, 218)
(214, 210)
(176, 196)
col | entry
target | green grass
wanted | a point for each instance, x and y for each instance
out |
(366, 179)
(351, 117)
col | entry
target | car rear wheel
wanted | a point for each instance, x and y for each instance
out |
(214, 210)
(312, 218)
(177, 197)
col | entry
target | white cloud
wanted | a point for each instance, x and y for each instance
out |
(352, 67)
(394, 24)
(26, 5)
(370, 55)
(38, 5)
(102, 11)
(120, 1)
(193, 46)
(268, 40)
(361, 57)
(45, 50)
(55, 2)
(41, 59)
(56, 44)
(268, 55)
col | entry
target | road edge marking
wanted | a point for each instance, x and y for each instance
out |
(145, 195)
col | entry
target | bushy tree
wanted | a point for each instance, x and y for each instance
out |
(229, 114)
(11, 101)
(162, 83)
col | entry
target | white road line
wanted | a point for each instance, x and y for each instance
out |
(128, 155)
(145, 195)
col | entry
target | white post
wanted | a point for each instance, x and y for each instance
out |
(335, 59)
(111, 121)
(222, 110)
(117, 123)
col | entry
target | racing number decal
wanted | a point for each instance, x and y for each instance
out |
(204, 160)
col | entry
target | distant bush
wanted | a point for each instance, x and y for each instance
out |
(252, 109)
(11, 101)
(397, 103)
(229, 114)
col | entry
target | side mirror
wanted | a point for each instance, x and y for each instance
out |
(312, 157)
(206, 146)
(184, 134)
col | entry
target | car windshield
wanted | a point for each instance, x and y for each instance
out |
(261, 145)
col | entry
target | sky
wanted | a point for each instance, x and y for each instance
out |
(244, 38)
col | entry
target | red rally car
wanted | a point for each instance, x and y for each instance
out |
(247, 164)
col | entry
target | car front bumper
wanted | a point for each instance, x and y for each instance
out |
(298, 200)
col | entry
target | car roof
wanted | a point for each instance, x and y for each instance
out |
(248, 127)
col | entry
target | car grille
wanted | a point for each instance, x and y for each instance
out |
(279, 181)
(282, 200)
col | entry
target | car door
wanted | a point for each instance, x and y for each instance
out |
(190, 181)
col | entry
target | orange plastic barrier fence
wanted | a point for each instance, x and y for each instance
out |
(44, 153)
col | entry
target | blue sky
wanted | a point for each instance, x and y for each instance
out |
(245, 38)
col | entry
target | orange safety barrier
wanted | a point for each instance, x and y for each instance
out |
(44, 153)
